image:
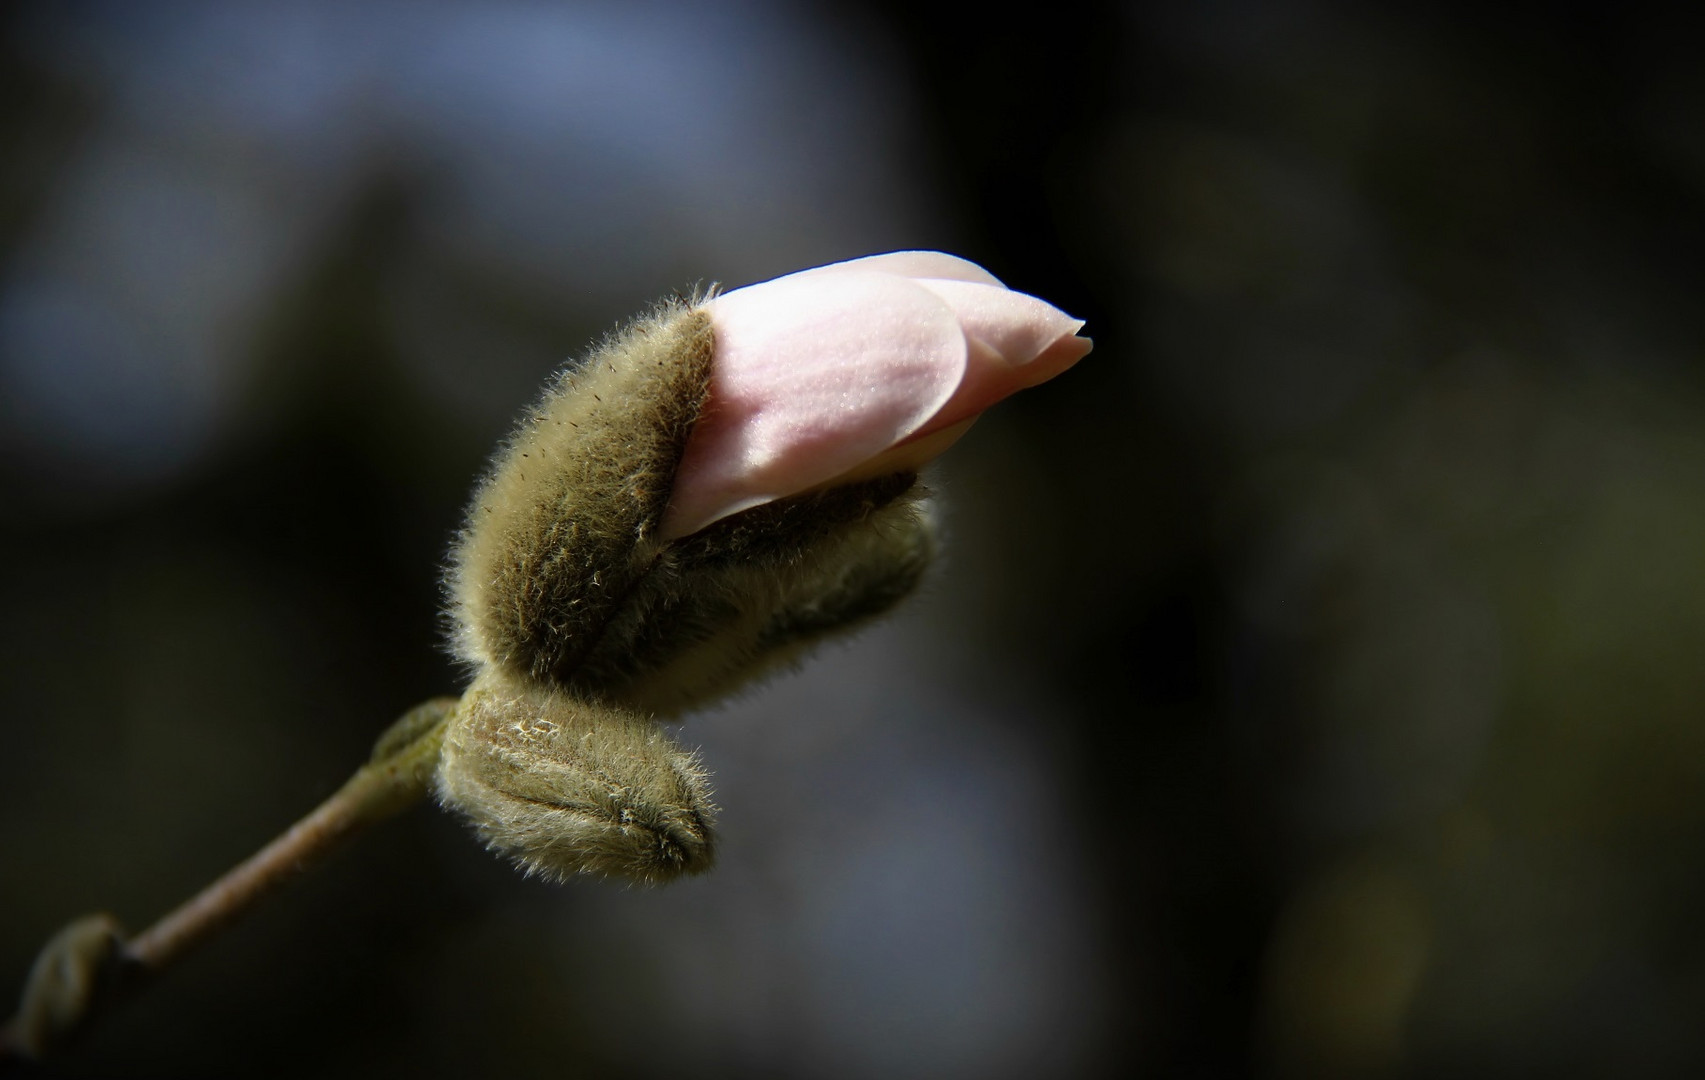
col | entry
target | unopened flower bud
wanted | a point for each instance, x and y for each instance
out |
(564, 786)
(712, 491)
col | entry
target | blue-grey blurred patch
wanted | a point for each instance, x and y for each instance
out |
(902, 888)
(87, 400)
(576, 160)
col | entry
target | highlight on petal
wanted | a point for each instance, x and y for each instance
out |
(814, 373)
(915, 264)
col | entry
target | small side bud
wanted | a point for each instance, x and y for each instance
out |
(567, 787)
(71, 975)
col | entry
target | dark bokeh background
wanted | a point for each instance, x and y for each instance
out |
(1314, 683)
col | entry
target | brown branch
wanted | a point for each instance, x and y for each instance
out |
(89, 964)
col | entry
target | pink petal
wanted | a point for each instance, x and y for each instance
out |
(1014, 340)
(815, 373)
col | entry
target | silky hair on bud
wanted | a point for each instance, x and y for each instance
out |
(564, 787)
(559, 576)
(565, 521)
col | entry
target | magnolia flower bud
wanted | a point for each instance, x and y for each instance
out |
(709, 493)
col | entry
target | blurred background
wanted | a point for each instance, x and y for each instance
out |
(1313, 682)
